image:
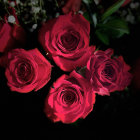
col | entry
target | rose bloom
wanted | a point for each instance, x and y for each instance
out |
(70, 98)
(107, 74)
(11, 35)
(27, 70)
(66, 38)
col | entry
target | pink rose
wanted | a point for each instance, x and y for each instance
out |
(27, 70)
(66, 39)
(70, 98)
(11, 35)
(107, 74)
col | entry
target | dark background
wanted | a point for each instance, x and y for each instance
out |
(117, 115)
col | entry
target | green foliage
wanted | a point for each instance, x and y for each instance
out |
(112, 9)
(87, 16)
(113, 28)
(102, 36)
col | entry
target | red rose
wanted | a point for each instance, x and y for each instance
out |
(69, 99)
(27, 70)
(11, 35)
(66, 38)
(71, 5)
(107, 74)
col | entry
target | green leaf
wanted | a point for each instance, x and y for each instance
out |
(112, 9)
(115, 27)
(102, 36)
(86, 15)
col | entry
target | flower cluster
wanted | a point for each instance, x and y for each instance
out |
(65, 40)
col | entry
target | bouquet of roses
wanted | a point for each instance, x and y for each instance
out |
(66, 40)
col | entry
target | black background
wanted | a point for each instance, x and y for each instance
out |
(118, 114)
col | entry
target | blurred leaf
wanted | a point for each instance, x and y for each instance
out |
(112, 9)
(118, 24)
(94, 18)
(87, 16)
(114, 28)
(87, 1)
(102, 36)
(82, 71)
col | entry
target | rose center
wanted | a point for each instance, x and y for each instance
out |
(24, 71)
(70, 41)
(108, 72)
(68, 97)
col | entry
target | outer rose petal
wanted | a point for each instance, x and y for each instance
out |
(81, 22)
(46, 27)
(67, 64)
(90, 95)
(5, 32)
(19, 34)
(44, 67)
(109, 52)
